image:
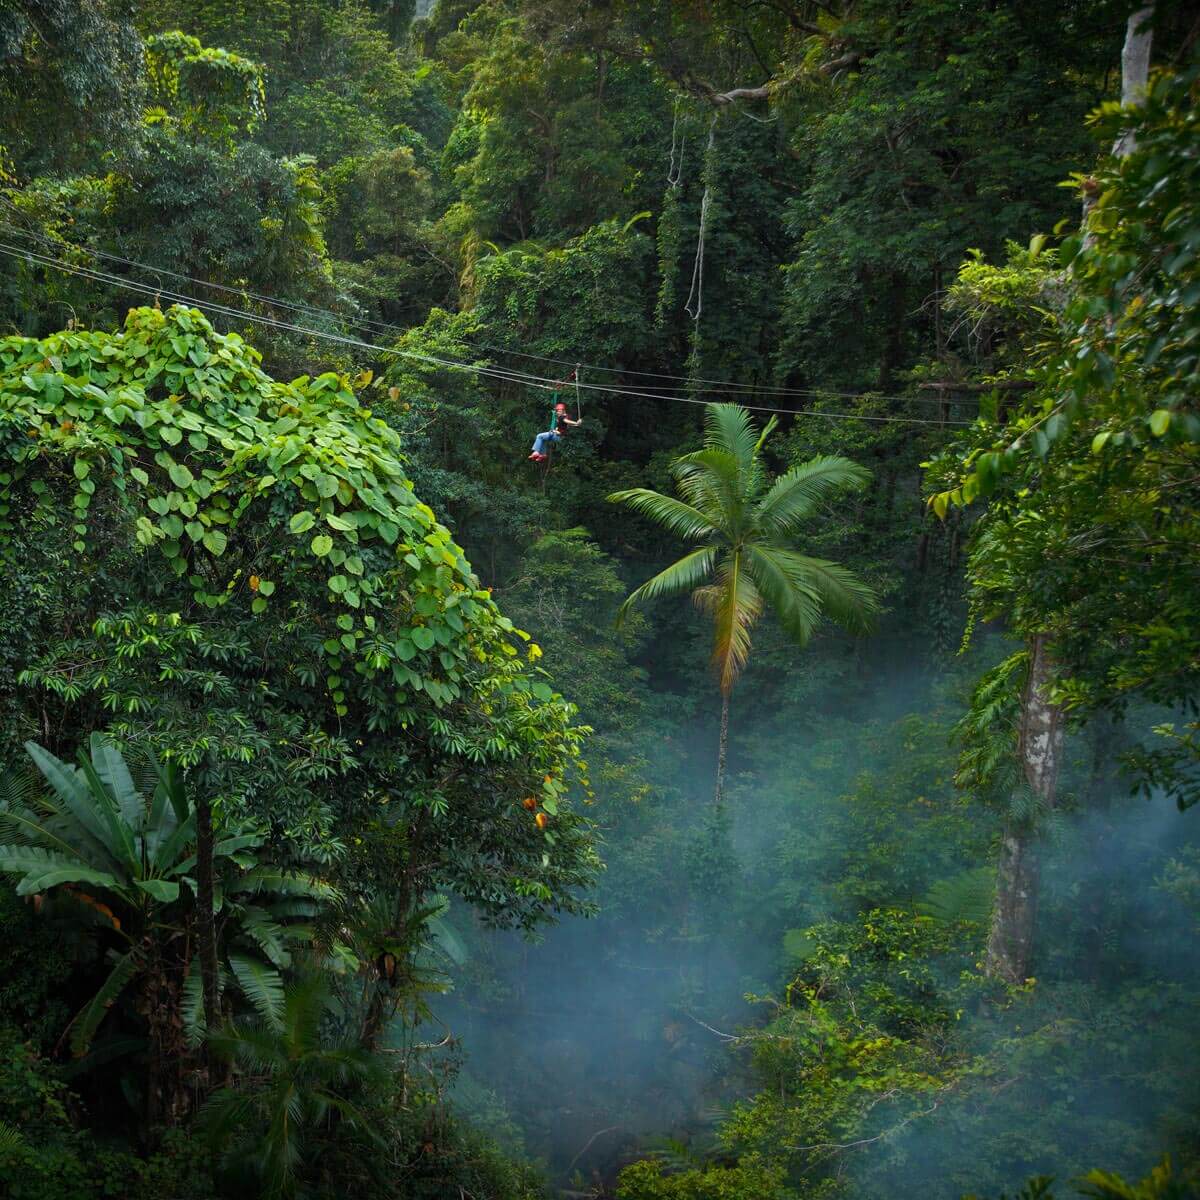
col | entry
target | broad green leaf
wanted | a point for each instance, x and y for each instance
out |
(181, 475)
(161, 889)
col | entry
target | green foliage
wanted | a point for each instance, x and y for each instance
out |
(45, 1156)
(215, 93)
(747, 525)
(69, 80)
(1104, 451)
(122, 862)
(251, 512)
(963, 897)
(297, 1093)
(646, 1181)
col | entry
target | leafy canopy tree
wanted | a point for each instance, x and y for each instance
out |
(748, 525)
(174, 516)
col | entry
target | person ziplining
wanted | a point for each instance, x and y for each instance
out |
(561, 423)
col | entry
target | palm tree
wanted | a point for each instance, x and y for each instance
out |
(295, 1094)
(119, 850)
(746, 561)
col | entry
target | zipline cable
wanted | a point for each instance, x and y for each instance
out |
(717, 386)
(504, 375)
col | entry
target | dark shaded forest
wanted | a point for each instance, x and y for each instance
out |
(599, 601)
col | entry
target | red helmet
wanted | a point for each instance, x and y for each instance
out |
(560, 407)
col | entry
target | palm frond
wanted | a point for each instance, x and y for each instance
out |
(964, 897)
(11, 1141)
(282, 883)
(192, 1007)
(683, 520)
(795, 606)
(731, 428)
(735, 604)
(18, 790)
(267, 934)
(710, 479)
(262, 985)
(685, 575)
(845, 599)
(796, 494)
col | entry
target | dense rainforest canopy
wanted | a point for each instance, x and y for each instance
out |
(777, 782)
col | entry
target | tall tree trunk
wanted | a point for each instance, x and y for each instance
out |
(206, 932)
(723, 745)
(1135, 67)
(1039, 751)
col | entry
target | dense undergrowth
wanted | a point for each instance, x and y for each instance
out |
(390, 865)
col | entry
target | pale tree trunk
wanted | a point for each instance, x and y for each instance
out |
(723, 745)
(1135, 68)
(1010, 940)
(1039, 752)
(1135, 74)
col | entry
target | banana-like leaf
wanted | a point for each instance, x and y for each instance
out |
(121, 835)
(84, 1027)
(114, 774)
(165, 890)
(262, 985)
(70, 784)
(447, 940)
(43, 869)
(167, 853)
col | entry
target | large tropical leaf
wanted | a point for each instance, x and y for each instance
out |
(71, 786)
(167, 851)
(164, 890)
(795, 495)
(224, 848)
(681, 519)
(121, 835)
(261, 984)
(114, 774)
(689, 573)
(43, 869)
(84, 1027)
